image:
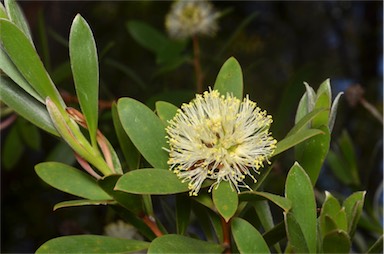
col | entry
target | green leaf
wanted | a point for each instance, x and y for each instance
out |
(17, 17)
(91, 244)
(295, 234)
(225, 199)
(181, 244)
(247, 238)
(323, 100)
(295, 139)
(130, 152)
(147, 36)
(183, 211)
(304, 121)
(146, 131)
(61, 152)
(230, 79)
(276, 234)
(336, 241)
(129, 201)
(151, 181)
(7, 66)
(26, 106)
(377, 247)
(12, 150)
(282, 202)
(353, 208)
(25, 58)
(330, 208)
(70, 180)
(339, 169)
(298, 189)
(82, 202)
(311, 153)
(166, 111)
(85, 69)
(333, 112)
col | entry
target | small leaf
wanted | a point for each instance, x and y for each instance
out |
(151, 181)
(295, 139)
(129, 201)
(70, 180)
(298, 189)
(333, 113)
(166, 111)
(282, 202)
(348, 153)
(330, 208)
(295, 234)
(30, 134)
(353, 208)
(130, 152)
(247, 238)
(181, 244)
(225, 200)
(61, 152)
(17, 17)
(230, 79)
(147, 36)
(336, 241)
(3, 13)
(26, 106)
(25, 58)
(91, 244)
(142, 126)
(82, 202)
(85, 69)
(323, 100)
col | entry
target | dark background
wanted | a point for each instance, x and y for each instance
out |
(285, 44)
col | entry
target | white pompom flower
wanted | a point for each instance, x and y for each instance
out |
(220, 138)
(188, 18)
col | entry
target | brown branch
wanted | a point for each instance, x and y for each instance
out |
(226, 235)
(196, 63)
(150, 222)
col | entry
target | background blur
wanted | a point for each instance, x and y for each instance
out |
(279, 46)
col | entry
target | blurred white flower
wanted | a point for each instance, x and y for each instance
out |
(121, 229)
(191, 17)
(220, 138)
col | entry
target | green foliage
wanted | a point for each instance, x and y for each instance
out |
(92, 244)
(230, 220)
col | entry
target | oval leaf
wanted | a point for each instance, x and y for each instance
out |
(298, 189)
(146, 131)
(225, 200)
(70, 180)
(91, 244)
(182, 244)
(247, 238)
(230, 79)
(295, 234)
(85, 69)
(25, 58)
(151, 181)
(17, 17)
(147, 36)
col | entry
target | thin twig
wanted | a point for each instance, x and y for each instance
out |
(226, 236)
(150, 221)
